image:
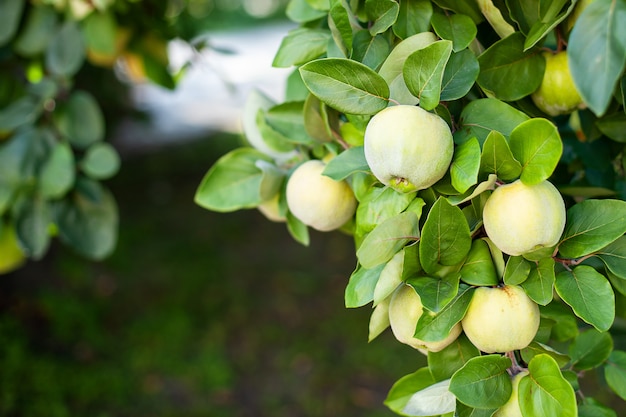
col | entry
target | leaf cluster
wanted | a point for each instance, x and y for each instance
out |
(476, 65)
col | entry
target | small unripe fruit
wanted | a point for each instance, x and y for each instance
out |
(405, 309)
(557, 93)
(501, 319)
(511, 408)
(317, 200)
(520, 218)
(11, 254)
(408, 148)
(271, 209)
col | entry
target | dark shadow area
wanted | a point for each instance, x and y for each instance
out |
(196, 314)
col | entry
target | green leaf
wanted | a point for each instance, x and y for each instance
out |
(597, 52)
(434, 327)
(390, 278)
(301, 11)
(469, 8)
(536, 348)
(539, 285)
(545, 392)
(482, 116)
(339, 21)
(101, 161)
(530, 12)
(290, 121)
(391, 69)
(435, 293)
(100, 32)
(58, 172)
(565, 326)
(361, 286)
(83, 120)
(379, 320)
(23, 111)
(615, 373)
(497, 158)
(380, 204)
(370, 50)
(35, 36)
(505, 61)
(298, 230)
(414, 17)
(345, 85)
(383, 14)
(423, 72)
(346, 163)
(32, 227)
(483, 382)
(10, 14)
(537, 145)
(592, 225)
(404, 388)
(234, 182)
(459, 76)
(595, 410)
(613, 126)
(478, 269)
(614, 257)
(387, 239)
(89, 226)
(435, 399)
(458, 28)
(301, 45)
(549, 19)
(465, 165)
(590, 349)
(517, 270)
(445, 237)
(446, 362)
(589, 294)
(66, 52)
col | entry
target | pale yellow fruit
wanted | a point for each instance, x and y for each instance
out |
(511, 408)
(408, 148)
(501, 319)
(270, 209)
(405, 309)
(520, 218)
(11, 255)
(557, 93)
(317, 200)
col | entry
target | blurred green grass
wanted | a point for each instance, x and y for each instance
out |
(196, 314)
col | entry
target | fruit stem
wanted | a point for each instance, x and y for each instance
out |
(515, 367)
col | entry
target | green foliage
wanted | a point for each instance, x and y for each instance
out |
(475, 65)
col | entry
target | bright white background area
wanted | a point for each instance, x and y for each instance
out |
(211, 94)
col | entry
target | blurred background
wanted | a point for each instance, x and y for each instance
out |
(196, 313)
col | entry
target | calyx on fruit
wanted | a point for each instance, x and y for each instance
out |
(520, 218)
(501, 319)
(11, 254)
(405, 309)
(511, 408)
(408, 148)
(317, 200)
(557, 93)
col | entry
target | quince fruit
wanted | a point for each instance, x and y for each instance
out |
(408, 148)
(317, 200)
(557, 93)
(520, 218)
(501, 319)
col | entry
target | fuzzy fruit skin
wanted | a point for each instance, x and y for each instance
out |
(317, 200)
(501, 319)
(520, 218)
(511, 408)
(408, 148)
(271, 209)
(405, 309)
(557, 93)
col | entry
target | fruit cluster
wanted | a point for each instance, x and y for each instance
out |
(434, 134)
